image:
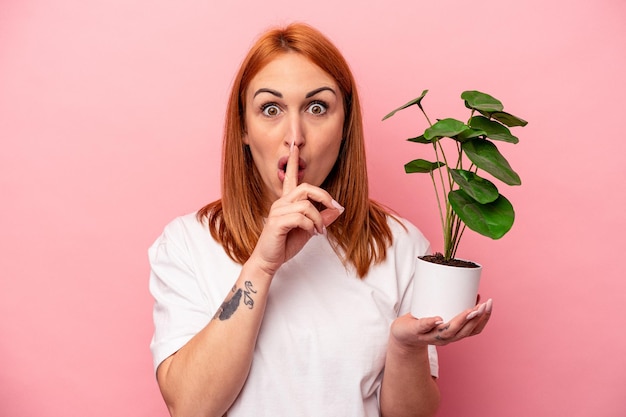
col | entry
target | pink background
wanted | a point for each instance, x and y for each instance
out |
(110, 120)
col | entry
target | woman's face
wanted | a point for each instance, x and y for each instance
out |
(293, 100)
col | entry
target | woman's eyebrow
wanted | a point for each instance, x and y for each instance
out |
(319, 90)
(279, 94)
(267, 90)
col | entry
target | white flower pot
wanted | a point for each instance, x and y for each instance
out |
(444, 291)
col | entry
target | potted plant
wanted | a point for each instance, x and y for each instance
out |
(464, 198)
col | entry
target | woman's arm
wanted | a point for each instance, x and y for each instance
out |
(408, 389)
(205, 376)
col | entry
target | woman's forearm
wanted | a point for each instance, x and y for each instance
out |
(408, 389)
(205, 376)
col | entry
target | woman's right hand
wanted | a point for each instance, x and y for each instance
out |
(292, 220)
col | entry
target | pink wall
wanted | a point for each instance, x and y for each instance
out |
(110, 121)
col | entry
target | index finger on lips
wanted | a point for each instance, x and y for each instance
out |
(291, 171)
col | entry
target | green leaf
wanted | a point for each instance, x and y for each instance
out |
(493, 220)
(419, 139)
(480, 189)
(421, 166)
(417, 101)
(481, 101)
(445, 128)
(468, 134)
(506, 118)
(493, 130)
(486, 156)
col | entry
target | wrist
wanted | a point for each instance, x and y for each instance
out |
(395, 347)
(252, 269)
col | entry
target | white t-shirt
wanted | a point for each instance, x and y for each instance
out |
(322, 343)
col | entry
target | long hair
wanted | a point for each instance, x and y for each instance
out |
(361, 234)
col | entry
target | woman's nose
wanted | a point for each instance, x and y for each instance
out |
(295, 131)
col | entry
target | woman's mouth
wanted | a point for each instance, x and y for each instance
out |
(282, 168)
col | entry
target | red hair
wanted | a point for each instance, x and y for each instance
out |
(361, 234)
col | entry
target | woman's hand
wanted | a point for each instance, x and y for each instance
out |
(293, 219)
(410, 332)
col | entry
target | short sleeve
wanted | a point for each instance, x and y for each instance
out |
(433, 358)
(180, 309)
(414, 246)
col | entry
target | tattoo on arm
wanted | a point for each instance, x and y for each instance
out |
(228, 308)
(247, 298)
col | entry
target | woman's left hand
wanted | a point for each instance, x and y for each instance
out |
(409, 331)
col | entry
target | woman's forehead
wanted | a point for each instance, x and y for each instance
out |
(291, 71)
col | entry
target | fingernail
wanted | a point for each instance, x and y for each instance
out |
(481, 308)
(472, 315)
(324, 231)
(489, 305)
(437, 323)
(293, 143)
(337, 206)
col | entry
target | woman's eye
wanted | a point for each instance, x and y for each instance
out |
(317, 108)
(271, 110)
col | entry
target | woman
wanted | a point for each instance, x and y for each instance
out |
(289, 296)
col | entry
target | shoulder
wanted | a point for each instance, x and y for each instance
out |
(187, 225)
(406, 235)
(184, 231)
(400, 228)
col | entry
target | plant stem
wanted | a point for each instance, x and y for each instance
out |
(449, 236)
(425, 115)
(443, 224)
(458, 238)
(446, 224)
